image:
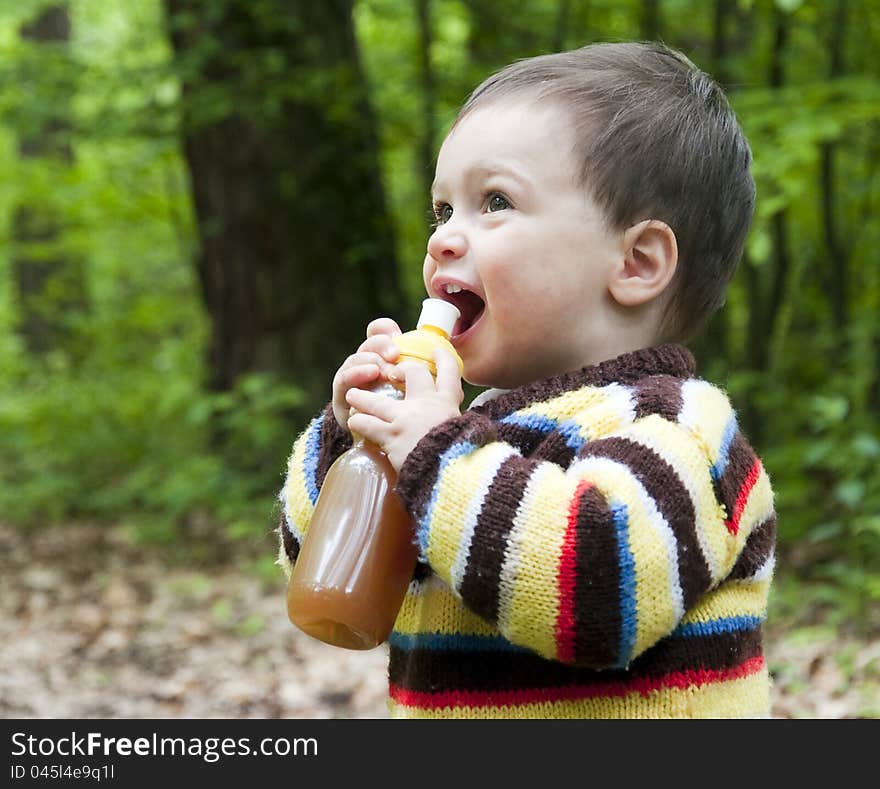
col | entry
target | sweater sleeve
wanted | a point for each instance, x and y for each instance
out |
(593, 561)
(314, 451)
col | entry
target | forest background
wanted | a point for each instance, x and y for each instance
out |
(203, 202)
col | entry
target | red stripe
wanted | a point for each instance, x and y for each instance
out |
(743, 496)
(505, 698)
(566, 578)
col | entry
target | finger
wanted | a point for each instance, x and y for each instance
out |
(382, 345)
(383, 326)
(369, 427)
(362, 357)
(358, 375)
(448, 373)
(417, 376)
(371, 403)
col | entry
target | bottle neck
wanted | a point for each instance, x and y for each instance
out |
(434, 330)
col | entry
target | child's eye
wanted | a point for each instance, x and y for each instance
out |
(497, 202)
(442, 213)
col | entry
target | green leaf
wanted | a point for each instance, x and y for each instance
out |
(826, 531)
(866, 445)
(850, 492)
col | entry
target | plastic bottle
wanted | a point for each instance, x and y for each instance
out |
(359, 553)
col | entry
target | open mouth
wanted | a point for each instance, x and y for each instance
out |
(469, 304)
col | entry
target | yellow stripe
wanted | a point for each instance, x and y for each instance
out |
(528, 599)
(435, 609)
(731, 599)
(462, 478)
(566, 404)
(748, 697)
(597, 410)
(283, 562)
(654, 605)
(677, 447)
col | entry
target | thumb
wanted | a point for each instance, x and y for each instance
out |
(448, 374)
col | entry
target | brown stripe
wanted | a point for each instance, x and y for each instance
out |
(422, 571)
(555, 449)
(291, 544)
(526, 440)
(740, 460)
(441, 670)
(597, 583)
(537, 444)
(482, 575)
(673, 502)
(757, 550)
(334, 441)
(658, 394)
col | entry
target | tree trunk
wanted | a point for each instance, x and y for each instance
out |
(837, 264)
(297, 249)
(651, 20)
(429, 109)
(711, 347)
(50, 283)
(563, 22)
(764, 299)
(496, 39)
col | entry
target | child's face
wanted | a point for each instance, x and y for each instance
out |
(529, 249)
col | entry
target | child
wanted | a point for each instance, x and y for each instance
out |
(596, 535)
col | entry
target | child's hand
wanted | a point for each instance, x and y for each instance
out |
(372, 361)
(398, 425)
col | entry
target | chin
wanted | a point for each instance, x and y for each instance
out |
(489, 379)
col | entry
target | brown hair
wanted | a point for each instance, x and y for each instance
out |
(657, 139)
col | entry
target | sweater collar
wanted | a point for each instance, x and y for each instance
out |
(671, 359)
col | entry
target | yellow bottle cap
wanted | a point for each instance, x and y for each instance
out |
(435, 325)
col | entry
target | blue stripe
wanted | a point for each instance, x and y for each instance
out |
(455, 642)
(310, 463)
(568, 429)
(627, 566)
(422, 529)
(730, 624)
(724, 451)
(572, 432)
(543, 424)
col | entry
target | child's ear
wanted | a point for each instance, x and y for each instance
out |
(648, 264)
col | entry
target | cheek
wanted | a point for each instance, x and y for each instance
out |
(428, 269)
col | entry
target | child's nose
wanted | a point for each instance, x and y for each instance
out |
(447, 241)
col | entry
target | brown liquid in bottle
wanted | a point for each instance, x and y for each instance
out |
(353, 570)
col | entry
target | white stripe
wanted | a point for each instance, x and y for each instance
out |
(473, 512)
(689, 414)
(624, 401)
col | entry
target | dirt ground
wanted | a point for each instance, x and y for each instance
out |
(94, 626)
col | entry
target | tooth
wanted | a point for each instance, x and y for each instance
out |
(450, 288)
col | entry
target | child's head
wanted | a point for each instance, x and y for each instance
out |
(609, 187)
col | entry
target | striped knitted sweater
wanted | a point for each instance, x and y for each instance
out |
(598, 544)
